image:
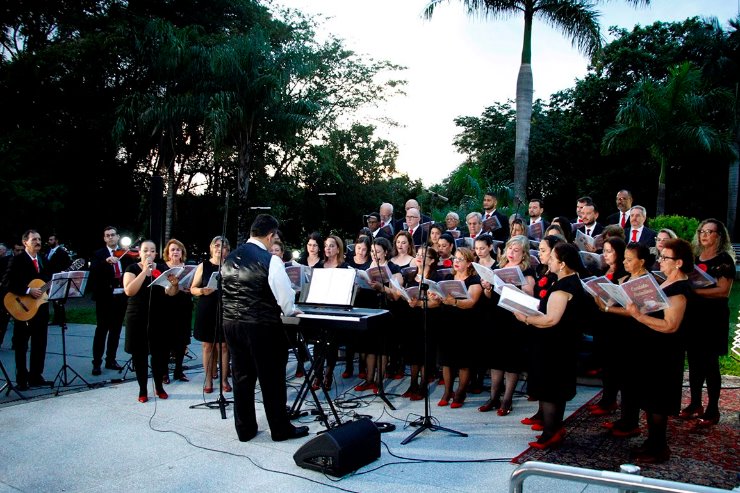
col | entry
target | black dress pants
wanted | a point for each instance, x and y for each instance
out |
(109, 313)
(36, 330)
(258, 353)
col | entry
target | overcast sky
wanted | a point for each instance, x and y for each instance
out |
(458, 65)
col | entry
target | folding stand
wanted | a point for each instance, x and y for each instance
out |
(67, 285)
(9, 384)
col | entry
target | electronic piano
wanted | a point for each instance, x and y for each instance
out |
(333, 318)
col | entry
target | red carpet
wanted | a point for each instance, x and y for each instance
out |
(706, 457)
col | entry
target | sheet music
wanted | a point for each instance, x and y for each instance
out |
(331, 287)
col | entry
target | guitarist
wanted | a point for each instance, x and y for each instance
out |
(106, 276)
(22, 269)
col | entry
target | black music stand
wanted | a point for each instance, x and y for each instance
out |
(8, 386)
(425, 422)
(221, 402)
(65, 285)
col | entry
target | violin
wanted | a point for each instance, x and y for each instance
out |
(126, 252)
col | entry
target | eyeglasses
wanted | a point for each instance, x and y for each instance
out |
(412, 217)
(707, 231)
(664, 257)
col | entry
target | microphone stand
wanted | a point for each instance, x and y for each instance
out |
(379, 355)
(221, 402)
(425, 422)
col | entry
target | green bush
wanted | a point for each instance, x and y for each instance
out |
(683, 226)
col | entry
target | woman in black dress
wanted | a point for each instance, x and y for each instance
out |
(419, 348)
(313, 254)
(457, 350)
(144, 327)
(206, 315)
(552, 379)
(637, 260)
(606, 333)
(506, 352)
(545, 280)
(333, 259)
(359, 259)
(383, 342)
(659, 351)
(179, 310)
(706, 343)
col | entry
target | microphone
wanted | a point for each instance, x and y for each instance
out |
(440, 197)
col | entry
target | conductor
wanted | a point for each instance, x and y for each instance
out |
(255, 290)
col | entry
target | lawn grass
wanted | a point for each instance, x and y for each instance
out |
(730, 364)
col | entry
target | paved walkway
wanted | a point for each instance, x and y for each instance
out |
(103, 440)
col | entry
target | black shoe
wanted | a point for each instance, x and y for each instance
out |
(21, 386)
(295, 432)
(246, 436)
(113, 365)
(38, 381)
(96, 371)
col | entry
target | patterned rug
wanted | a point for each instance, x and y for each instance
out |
(707, 457)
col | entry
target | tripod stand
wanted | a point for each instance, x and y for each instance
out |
(425, 422)
(221, 402)
(8, 383)
(62, 286)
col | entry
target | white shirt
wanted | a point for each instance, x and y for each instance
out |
(279, 282)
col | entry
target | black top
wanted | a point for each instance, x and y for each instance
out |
(144, 314)
(712, 333)
(206, 310)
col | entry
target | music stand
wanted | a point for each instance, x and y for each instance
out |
(65, 285)
(426, 422)
(9, 384)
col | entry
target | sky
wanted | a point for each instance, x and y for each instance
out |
(458, 65)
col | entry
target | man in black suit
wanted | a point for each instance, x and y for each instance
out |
(490, 202)
(22, 269)
(373, 224)
(106, 276)
(57, 260)
(624, 204)
(637, 232)
(410, 204)
(535, 209)
(413, 226)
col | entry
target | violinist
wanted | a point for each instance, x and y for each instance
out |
(106, 277)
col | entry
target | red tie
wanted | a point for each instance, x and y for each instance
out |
(623, 221)
(634, 235)
(117, 268)
(473, 236)
(36, 264)
(411, 232)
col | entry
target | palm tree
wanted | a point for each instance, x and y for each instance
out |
(671, 117)
(575, 18)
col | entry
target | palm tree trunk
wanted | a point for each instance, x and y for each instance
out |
(660, 206)
(242, 234)
(524, 95)
(733, 180)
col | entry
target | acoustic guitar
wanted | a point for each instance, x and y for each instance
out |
(24, 307)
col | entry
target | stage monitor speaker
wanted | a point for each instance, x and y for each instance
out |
(341, 450)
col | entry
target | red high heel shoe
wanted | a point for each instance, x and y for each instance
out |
(161, 394)
(143, 399)
(490, 405)
(707, 422)
(366, 386)
(604, 410)
(531, 421)
(504, 410)
(554, 441)
(691, 412)
(458, 402)
(443, 401)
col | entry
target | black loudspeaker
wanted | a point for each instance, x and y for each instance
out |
(341, 450)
